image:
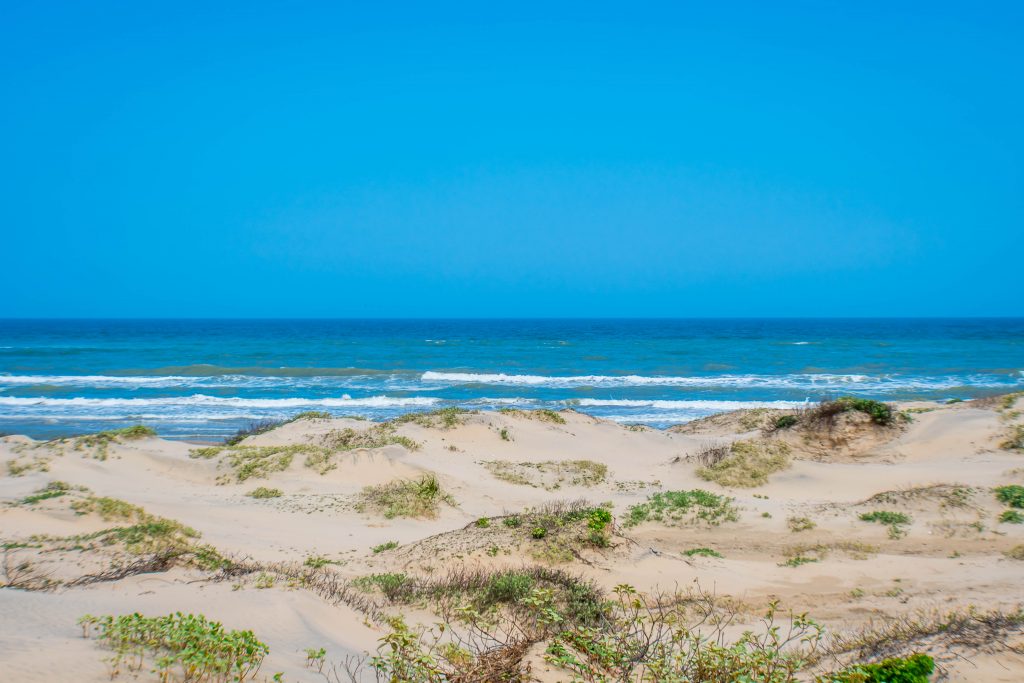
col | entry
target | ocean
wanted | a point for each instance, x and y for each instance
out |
(203, 379)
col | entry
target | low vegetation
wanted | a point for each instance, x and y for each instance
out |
(1014, 439)
(683, 507)
(444, 418)
(549, 474)
(388, 545)
(1012, 495)
(185, 645)
(825, 413)
(896, 521)
(701, 552)
(543, 414)
(798, 524)
(263, 492)
(264, 426)
(102, 441)
(745, 464)
(420, 497)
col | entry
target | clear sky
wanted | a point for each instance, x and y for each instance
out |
(511, 159)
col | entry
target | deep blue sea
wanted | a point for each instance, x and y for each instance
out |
(203, 379)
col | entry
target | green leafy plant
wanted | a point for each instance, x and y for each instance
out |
(1011, 517)
(896, 521)
(389, 545)
(201, 650)
(1012, 495)
(702, 552)
(916, 668)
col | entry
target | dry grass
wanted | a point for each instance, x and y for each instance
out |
(747, 464)
(405, 498)
(543, 415)
(549, 474)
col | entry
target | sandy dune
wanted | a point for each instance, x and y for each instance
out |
(938, 469)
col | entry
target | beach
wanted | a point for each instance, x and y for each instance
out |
(859, 519)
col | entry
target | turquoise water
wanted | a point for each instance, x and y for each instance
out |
(205, 378)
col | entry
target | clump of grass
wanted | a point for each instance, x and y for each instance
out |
(748, 464)
(549, 474)
(798, 560)
(798, 524)
(101, 441)
(1011, 517)
(1016, 552)
(396, 586)
(702, 552)
(55, 489)
(388, 545)
(896, 521)
(406, 498)
(377, 436)
(201, 650)
(1015, 439)
(1012, 495)
(444, 418)
(681, 507)
(263, 492)
(505, 435)
(256, 462)
(312, 415)
(542, 414)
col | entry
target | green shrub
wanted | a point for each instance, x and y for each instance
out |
(1011, 517)
(785, 421)
(539, 532)
(389, 545)
(483, 523)
(1012, 495)
(826, 411)
(916, 668)
(702, 552)
(394, 585)
(510, 587)
(512, 521)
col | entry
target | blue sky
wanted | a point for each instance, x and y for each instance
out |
(519, 159)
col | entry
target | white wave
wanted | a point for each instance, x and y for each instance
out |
(711, 406)
(791, 381)
(233, 402)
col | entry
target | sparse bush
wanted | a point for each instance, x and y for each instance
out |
(55, 489)
(512, 521)
(675, 507)
(798, 524)
(389, 545)
(264, 492)
(483, 523)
